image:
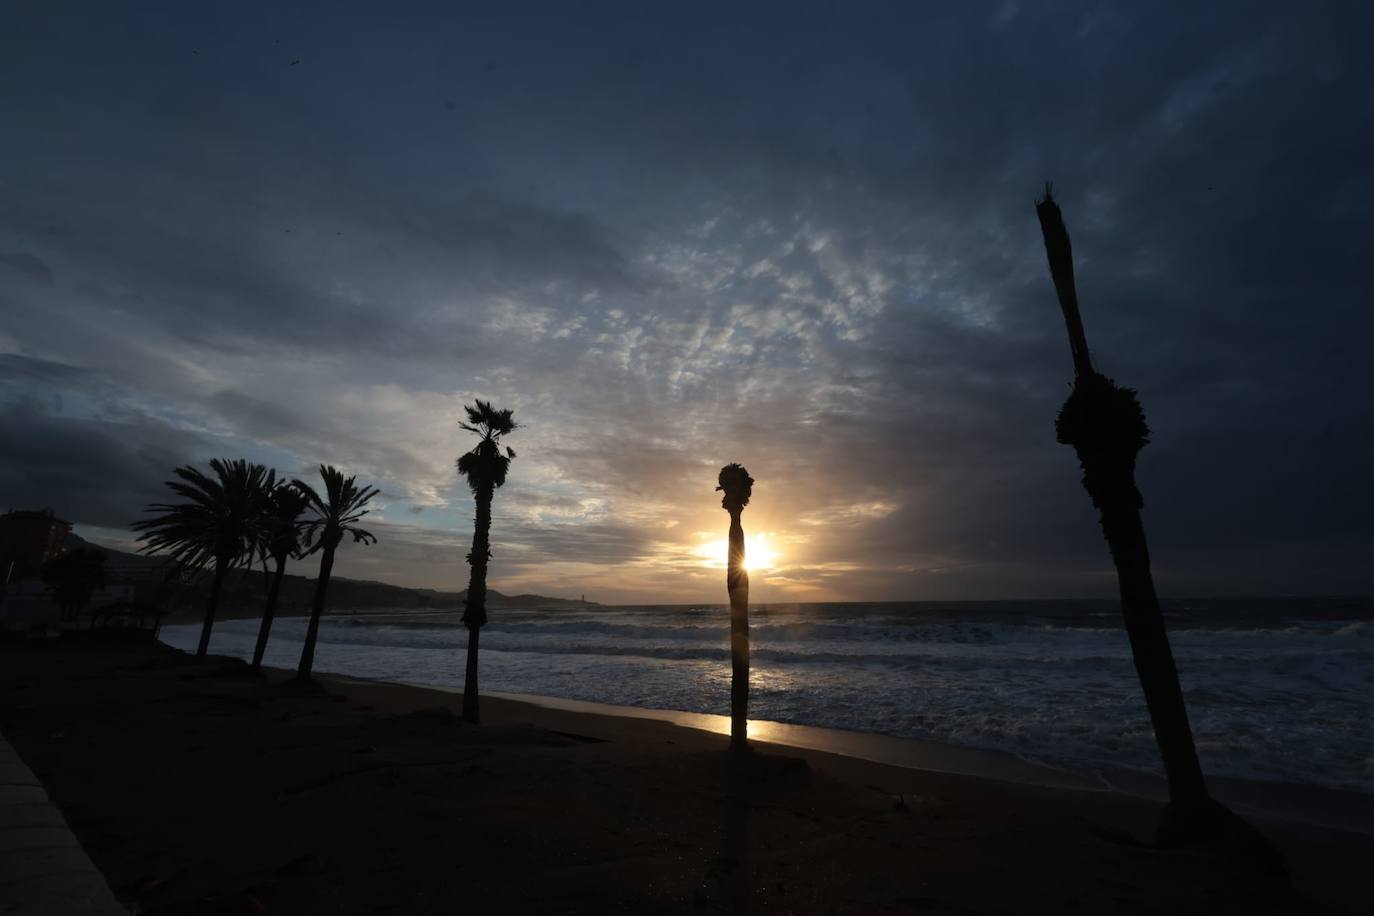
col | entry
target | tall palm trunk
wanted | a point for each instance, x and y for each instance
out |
(317, 611)
(737, 583)
(475, 613)
(221, 569)
(1106, 426)
(1154, 659)
(269, 612)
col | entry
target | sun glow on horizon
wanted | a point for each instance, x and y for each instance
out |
(758, 553)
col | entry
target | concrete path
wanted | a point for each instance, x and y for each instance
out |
(43, 869)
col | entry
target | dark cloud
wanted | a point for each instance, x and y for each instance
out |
(89, 471)
(17, 369)
(800, 236)
(261, 416)
(28, 264)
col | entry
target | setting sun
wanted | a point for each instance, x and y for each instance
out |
(758, 553)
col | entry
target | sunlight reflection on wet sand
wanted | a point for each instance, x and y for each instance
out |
(902, 752)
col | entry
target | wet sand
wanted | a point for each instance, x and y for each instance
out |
(203, 788)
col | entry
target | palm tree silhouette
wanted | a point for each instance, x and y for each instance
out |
(337, 514)
(1105, 424)
(220, 524)
(737, 485)
(485, 469)
(281, 538)
(73, 577)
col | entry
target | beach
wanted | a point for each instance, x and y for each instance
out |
(199, 787)
(1279, 691)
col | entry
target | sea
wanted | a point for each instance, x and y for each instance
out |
(1278, 689)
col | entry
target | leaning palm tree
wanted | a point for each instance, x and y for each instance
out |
(335, 515)
(485, 469)
(281, 539)
(738, 486)
(219, 524)
(1105, 424)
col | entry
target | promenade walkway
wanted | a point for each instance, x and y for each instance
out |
(43, 869)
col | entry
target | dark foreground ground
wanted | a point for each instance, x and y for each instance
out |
(201, 788)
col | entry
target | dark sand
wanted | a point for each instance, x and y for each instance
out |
(202, 788)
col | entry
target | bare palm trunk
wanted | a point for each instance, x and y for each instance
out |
(316, 612)
(1154, 659)
(221, 569)
(471, 701)
(475, 613)
(269, 612)
(1105, 425)
(737, 583)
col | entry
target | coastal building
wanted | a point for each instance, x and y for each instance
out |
(28, 539)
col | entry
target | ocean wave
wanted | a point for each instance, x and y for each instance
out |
(1290, 700)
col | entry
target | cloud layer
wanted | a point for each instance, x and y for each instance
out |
(800, 239)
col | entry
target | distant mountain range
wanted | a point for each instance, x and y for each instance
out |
(243, 592)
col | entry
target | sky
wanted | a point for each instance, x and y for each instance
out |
(799, 236)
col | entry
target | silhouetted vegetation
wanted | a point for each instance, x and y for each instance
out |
(1106, 426)
(73, 578)
(240, 512)
(737, 485)
(485, 469)
(281, 539)
(335, 515)
(219, 524)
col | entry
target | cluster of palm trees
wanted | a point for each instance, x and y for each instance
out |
(241, 513)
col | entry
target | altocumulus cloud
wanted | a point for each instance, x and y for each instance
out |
(796, 236)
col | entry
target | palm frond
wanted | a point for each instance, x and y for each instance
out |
(737, 485)
(335, 514)
(485, 465)
(285, 505)
(222, 519)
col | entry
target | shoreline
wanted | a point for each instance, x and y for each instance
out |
(1280, 708)
(884, 750)
(874, 747)
(1310, 809)
(1307, 806)
(198, 785)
